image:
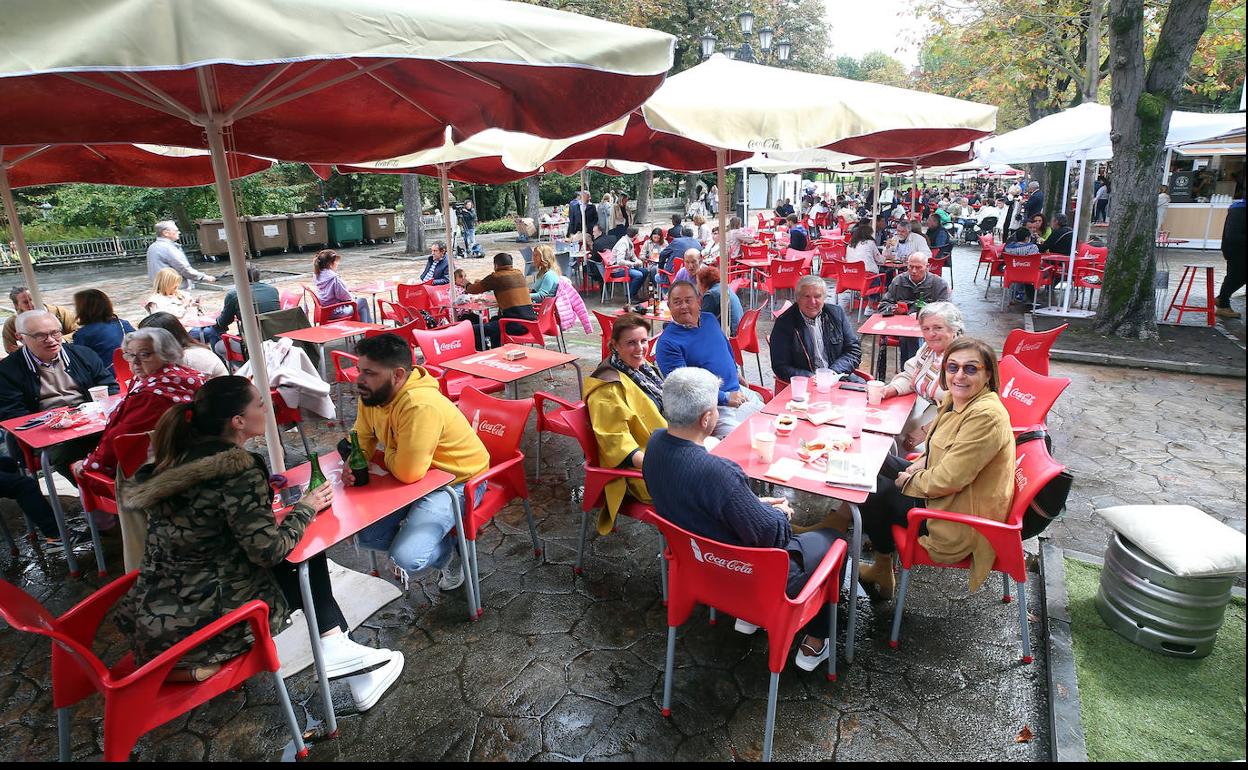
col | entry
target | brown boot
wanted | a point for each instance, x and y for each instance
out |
(879, 573)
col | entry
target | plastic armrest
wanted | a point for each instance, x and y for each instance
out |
(494, 471)
(917, 516)
(766, 394)
(831, 560)
(435, 370)
(254, 613)
(623, 473)
(84, 619)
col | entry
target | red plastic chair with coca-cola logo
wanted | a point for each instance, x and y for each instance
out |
(1032, 348)
(1028, 396)
(446, 344)
(500, 425)
(747, 583)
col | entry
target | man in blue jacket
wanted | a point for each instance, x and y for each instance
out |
(813, 334)
(436, 266)
(678, 247)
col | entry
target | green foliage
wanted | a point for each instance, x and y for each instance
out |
(43, 232)
(503, 225)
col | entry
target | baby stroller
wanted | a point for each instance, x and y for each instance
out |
(972, 231)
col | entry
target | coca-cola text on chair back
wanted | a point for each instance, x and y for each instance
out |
(445, 344)
(1027, 396)
(499, 423)
(1032, 348)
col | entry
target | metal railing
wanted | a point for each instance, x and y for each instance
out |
(52, 252)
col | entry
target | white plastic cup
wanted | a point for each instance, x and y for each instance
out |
(799, 387)
(765, 445)
(824, 379)
(875, 392)
(98, 393)
(853, 422)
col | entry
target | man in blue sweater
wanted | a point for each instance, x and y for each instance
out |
(695, 339)
(721, 505)
(681, 243)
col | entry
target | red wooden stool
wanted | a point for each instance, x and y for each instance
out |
(1189, 277)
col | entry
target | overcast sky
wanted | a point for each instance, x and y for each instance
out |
(862, 26)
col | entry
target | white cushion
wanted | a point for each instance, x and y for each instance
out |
(1188, 541)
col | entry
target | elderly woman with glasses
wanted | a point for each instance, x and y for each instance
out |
(968, 468)
(160, 381)
(941, 324)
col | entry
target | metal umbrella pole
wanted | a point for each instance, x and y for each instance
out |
(450, 231)
(19, 237)
(721, 180)
(875, 200)
(1065, 310)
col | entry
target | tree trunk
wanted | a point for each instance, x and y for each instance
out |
(645, 188)
(691, 189)
(771, 189)
(413, 207)
(1142, 99)
(533, 198)
(1054, 179)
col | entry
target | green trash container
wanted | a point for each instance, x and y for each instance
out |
(345, 227)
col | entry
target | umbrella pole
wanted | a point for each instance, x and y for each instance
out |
(914, 188)
(450, 232)
(1065, 186)
(19, 237)
(585, 239)
(875, 200)
(721, 181)
(246, 305)
(1074, 241)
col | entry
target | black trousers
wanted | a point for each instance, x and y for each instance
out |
(805, 552)
(495, 334)
(887, 506)
(328, 614)
(1234, 279)
(25, 490)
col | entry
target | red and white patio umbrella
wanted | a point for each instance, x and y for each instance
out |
(316, 81)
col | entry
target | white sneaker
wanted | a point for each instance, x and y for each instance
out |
(452, 573)
(343, 656)
(743, 627)
(811, 662)
(367, 689)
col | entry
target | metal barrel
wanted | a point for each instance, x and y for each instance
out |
(1146, 603)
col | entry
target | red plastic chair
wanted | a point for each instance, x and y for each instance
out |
(346, 372)
(989, 254)
(856, 278)
(284, 414)
(831, 268)
(780, 310)
(1029, 270)
(605, 323)
(746, 341)
(447, 344)
(1032, 348)
(291, 298)
(1028, 396)
(613, 274)
(121, 371)
(500, 424)
(807, 257)
(666, 278)
(755, 250)
(549, 422)
(138, 699)
(783, 274)
(337, 311)
(235, 351)
(536, 332)
(936, 265)
(1035, 468)
(438, 303)
(395, 312)
(411, 295)
(747, 583)
(98, 491)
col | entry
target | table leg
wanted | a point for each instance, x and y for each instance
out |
(469, 587)
(55, 501)
(580, 379)
(855, 555)
(318, 652)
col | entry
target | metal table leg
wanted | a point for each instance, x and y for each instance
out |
(318, 653)
(55, 501)
(469, 587)
(855, 555)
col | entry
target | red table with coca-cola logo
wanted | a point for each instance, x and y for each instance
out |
(873, 447)
(330, 332)
(493, 365)
(888, 418)
(880, 325)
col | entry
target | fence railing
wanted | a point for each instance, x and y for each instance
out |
(51, 252)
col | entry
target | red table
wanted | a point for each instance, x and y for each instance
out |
(663, 316)
(888, 418)
(888, 326)
(756, 266)
(872, 446)
(40, 440)
(319, 335)
(355, 508)
(491, 365)
(372, 289)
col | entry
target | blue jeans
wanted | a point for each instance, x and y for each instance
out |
(470, 238)
(420, 535)
(638, 281)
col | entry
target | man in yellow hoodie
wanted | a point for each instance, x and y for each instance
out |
(404, 416)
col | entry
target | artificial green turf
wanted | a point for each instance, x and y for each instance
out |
(1139, 705)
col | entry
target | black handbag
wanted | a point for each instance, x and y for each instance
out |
(1050, 502)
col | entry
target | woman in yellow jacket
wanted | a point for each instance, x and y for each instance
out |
(624, 396)
(968, 468)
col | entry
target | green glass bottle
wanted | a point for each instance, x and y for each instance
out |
(357, 462)
(317, 478)
(920, 302)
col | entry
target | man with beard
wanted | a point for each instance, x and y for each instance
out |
(406, 420)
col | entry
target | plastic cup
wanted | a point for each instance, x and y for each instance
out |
(853, 422)
(759, 424)
(765, 445)
(824, 379)
(98, 393)
(875, 392)
(799, 387)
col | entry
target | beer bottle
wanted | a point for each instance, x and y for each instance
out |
(317, 478)
(357, 462)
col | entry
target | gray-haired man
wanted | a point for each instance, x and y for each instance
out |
(165, 252)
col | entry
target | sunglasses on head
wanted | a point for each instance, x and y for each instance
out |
(970, 370)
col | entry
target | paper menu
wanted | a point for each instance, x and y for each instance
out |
(784, 469)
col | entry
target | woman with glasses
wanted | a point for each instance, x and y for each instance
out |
(941, 323)
(967, 468)
(160, 381)
(624, 396)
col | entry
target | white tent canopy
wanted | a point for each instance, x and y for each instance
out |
(1085, 130)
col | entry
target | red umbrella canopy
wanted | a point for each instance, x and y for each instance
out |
(121, 164)
(314, 80)
(642, 144)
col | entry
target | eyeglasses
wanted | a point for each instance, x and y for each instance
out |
(44, 336)
(142, 355)
(970, 370)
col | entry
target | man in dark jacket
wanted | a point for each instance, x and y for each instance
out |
(799, 239)
(46, 373)
(813, 334)
(264, 295)
(1233, 250)
(436, 266)
(581, 206)
(1035, 201)
(1060, 235)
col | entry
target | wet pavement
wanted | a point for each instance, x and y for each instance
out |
(571, 667)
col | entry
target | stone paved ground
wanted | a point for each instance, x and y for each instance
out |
(566, 667)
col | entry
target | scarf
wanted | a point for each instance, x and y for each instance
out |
(647, 378)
